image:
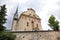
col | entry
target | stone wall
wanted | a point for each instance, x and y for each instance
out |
(37, 35)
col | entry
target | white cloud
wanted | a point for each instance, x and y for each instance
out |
(49, 6)
(43, 8)
(22, 1)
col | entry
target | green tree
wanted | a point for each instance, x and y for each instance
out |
(4, 35)
(2, 17)
(53, 23)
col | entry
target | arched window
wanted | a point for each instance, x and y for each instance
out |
(32, 24)
(27, 24)
(37, 25)
(23, 37)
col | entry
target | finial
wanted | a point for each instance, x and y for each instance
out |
(31, 9)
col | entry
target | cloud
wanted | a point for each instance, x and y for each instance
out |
(22, 1)
(43, 8)
(11, 7)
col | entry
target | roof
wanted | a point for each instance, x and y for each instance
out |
(16, 14)
(31, 12)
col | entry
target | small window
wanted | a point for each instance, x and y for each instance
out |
(40, 35)
(29, 14)
(58, 38)
(37, 25)
(23, 37)
(32, 24)
(34, 15)
(27, 24)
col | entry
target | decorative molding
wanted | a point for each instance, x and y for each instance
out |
(32, 31)
(29, 16)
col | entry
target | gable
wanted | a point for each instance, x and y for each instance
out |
(30, 12)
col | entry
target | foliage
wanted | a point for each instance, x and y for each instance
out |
(54, 24)
(4, 35)
(2, 17)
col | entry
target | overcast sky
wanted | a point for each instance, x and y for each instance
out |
(44, 9)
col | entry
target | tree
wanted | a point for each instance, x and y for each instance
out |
(4, 35)
(54, 24)
(2, 17)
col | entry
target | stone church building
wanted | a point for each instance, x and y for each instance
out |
(28, 27)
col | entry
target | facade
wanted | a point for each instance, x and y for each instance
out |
(28, 27)
(28, 21)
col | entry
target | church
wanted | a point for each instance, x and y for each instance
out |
(28, 27)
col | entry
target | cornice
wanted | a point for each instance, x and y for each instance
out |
(33, 31)
(29, 16)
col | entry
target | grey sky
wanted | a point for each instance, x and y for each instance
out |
(43, 8)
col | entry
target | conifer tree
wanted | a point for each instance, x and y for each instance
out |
(4, 35)
(2, 17)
